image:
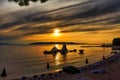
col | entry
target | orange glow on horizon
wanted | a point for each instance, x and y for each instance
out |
(79, 37)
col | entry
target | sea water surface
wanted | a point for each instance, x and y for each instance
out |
(26, 60)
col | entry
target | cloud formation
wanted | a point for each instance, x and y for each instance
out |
(86, 16)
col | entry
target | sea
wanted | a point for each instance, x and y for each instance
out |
(29, 60)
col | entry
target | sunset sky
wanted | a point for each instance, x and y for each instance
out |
(84, 21)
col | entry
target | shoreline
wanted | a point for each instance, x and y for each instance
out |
(26, 67)
(82, 69)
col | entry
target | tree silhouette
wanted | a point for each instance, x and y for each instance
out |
(26, 2)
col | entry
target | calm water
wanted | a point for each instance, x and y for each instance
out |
(26, 60)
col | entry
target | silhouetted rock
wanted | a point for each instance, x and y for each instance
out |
(71, 69)
(4, 74)
(74, 50)
(64, 49)
(103, 58)
(81, 51)
(47, 52)
(116, 44)
(54, 49)
(48, 65)
(86, 61)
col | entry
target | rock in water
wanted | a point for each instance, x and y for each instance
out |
(116, 44)
(48, 65)
(54, 49)
(4, 74)
(86, 61)
(64, 49)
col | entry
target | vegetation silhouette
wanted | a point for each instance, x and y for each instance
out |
(26, 2)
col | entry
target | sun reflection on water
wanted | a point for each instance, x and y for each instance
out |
(57, 46)
(60, 59)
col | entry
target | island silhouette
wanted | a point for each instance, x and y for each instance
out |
(38, 43)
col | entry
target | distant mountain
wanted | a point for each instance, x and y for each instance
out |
(38, 43)
(10, 44)
(98, 45)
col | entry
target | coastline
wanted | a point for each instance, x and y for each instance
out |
(34, 63)
(85, 71)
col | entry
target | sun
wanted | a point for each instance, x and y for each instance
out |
(57, 32)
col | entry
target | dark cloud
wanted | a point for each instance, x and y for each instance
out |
(100, 10)
(91, 29)
(8, 39)
(2, 1)
(92, 9)
(92, 12)
(35, 30)
(115, 21)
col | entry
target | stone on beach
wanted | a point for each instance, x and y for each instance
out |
(71, 69)
(4, 74)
